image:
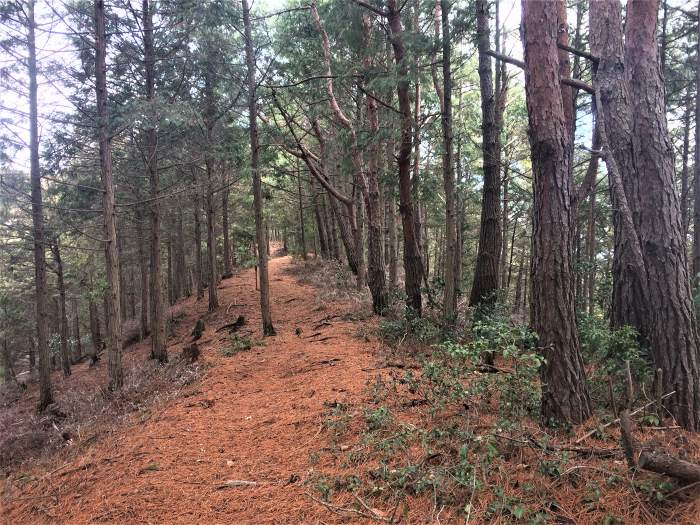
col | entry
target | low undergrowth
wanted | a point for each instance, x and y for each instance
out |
(80, 413)
(443, 438)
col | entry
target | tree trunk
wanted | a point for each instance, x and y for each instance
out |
(228, 270)
(685, 168)
(95, 332)
(114, 337)
(143, 275)
(78, 353)
(485, 284)
(629, 292)
(62, 310)
(674, 339)
(696, 181)
(553, 313)
(413, 265)
(41, 299)
(448, 177)
(302, 232)
(266, 313)
(591, 253)
(158, 336)
(197, 211)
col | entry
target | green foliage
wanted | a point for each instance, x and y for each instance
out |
(518, 388)
(422, 330)
(239, 343)
(610, 349)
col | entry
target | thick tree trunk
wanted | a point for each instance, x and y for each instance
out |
(41, 298)
(114, 333)
(553, 315)
(629, 292)
(266, 313)
(674, 340)
(413, 265)
(62, 310)
(696, 184)
(485, 284)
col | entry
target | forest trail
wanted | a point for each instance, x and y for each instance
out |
(254, 417)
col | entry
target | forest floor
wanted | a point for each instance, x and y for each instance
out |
(262, 437)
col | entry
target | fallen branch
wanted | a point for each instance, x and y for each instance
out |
(635, 411)
(652, 459)
(338, 510)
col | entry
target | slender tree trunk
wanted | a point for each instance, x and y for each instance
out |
(228, 270)
(553, 313)
(266, 313)
(485, 284)
(390, 220)
(504, 225)
(302, 232)
(448, 176)
(114, 338)
(62, 310)
(41, 299)
(696, 182)
(591, 253)
(143, 275)
(517, 302)
(413, 265)
(685, 169)
(78, 353)
(197, 211)
(158, 337)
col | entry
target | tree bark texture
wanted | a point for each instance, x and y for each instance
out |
(553, 317)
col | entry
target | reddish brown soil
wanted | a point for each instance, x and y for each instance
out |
(261, 420)
(256, 416)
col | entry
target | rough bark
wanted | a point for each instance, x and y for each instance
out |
(628, 297)
(197, 212)
(696, 184)
(41, 298)
(674, 337)
(485, 284)
(114, 330)
(413, 265)
(266, 313)
(553, 317)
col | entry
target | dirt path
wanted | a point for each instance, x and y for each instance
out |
(255, 417)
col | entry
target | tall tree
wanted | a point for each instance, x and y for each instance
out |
(485, 284)
(553, 318)
(45, 390)
(448, 176)
(674, 337)
(268, 328)
(158, 338)
(114, 326)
